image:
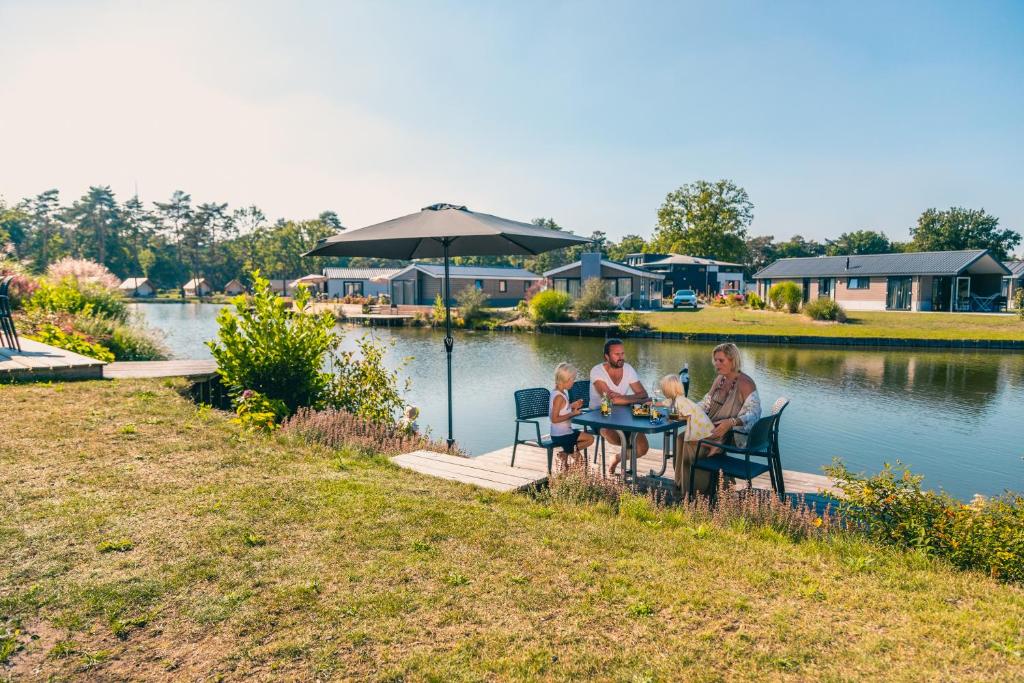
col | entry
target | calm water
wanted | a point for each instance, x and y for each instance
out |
(956, 417)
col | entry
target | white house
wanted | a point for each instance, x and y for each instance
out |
(137, 287)
(197, 287)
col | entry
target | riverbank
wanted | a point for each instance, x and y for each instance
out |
(164, 543)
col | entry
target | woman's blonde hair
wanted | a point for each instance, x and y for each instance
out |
(671, 386)
(731, 352)
(565, 372)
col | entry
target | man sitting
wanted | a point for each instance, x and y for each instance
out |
(616, 379)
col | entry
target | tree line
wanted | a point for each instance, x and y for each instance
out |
(171, 242)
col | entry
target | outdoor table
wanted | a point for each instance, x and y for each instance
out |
(621, 419)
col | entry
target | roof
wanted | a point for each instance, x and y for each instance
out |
(359, 273)
(234, 283)
(1016, 268)
(615, 265)
(681, 259)
(194, 282)
(475, 272)
(913, 263)
(134, 283)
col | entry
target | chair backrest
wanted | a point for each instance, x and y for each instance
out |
(580, 390)
(780, 404)
(5, 284)
(532, 403)
(762, 435)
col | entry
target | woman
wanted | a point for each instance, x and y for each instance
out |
(732, 404)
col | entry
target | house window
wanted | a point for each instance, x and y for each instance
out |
(569, 285)
(857, 282)
(1004, 288)
(479, 284)
(353, 288)
(502, 285)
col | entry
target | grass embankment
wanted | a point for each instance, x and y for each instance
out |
(723, 320)
(145, 539)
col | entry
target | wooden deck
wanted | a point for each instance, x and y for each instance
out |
(37, 361)
(492, 470)
(193, 369)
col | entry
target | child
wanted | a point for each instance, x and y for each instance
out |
(408, 423)
(698, 426)
(562, 411)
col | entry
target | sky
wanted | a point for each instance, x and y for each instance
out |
(834, 116)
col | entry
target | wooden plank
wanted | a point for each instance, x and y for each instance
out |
(421, 459)
(466, 476)
(160, 368)
(514, 474)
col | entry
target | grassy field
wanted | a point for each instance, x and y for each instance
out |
(144, 538)
(860, 324)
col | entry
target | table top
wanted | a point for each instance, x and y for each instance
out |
(622, 419)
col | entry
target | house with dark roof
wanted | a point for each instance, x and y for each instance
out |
(634, 288)
(970, 280)
(421, 283)
(1015, 282)
(358, 281)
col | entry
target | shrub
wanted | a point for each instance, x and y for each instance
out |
(632, 320)
(125, 341)
(280, 353)
(890, 507)
(74, 342)
(825, 309)
(1018, 302)
(338, 429)
(22, 286)
(80, 297)
(585, 487)
(364, 386)
(593, 297)
(256, 412)
(755, 302)
(536, 288)
(471, 302)
(83, 271)
(438, 313)
(786, 295)
(550, 306)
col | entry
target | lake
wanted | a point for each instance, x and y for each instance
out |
(956, 417)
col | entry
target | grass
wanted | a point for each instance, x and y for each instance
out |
(724, 320)
(262, 558)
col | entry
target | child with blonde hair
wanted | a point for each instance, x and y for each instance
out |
(698, 426)
(561, 412)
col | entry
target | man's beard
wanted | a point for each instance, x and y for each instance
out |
(617, 364)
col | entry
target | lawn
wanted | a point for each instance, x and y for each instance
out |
(724, 320)
(146, 538)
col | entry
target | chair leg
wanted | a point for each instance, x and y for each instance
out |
(515, 444)
(551, 455)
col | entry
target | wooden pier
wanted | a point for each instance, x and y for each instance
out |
(191, 369)
(41, 362)
(493, 471)
(372, 319)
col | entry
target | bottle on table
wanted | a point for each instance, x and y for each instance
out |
(606, 405)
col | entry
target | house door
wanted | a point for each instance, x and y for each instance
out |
(898, 295)
(807, 289)
(825, 288)
(962, 294)
(941, 291)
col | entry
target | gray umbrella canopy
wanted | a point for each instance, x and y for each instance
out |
(467, 233)
(445, 230)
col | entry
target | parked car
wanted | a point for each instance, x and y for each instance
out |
(684, 297)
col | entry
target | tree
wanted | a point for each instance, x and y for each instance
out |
(760, 253)
(331, 220)
(630, 244)
(705, 219)
(959, 228)
(98, 220)
(175, 215)
(798, 247)
(859, 242)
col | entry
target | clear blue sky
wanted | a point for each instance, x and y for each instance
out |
(833, 116)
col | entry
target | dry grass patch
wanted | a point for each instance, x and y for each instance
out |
(264, 558)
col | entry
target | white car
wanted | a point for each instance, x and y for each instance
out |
(684, 297)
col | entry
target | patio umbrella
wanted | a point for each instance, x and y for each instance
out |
(442, 231)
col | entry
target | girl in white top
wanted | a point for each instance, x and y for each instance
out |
(561, 412)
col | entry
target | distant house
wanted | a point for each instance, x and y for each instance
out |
(971, 280)
(234, 288)
(137, 287)
(1014, 283)
(314, 283)
(343, 282)
(280, 286)
(704, 275)
(197, 287)
(634, 287)
(421, 283)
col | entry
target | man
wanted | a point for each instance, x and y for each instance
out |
(616, 379)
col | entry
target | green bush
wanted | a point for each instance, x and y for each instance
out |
(890, 507)
(74, 342)
(550, 306)
(258, 413)
(127, 342)
(631, 320)
(364, 386)
(755, 302)
(438, 313)
(1018, 301)
(593, 297)
(786, 295)
(84, 298)
(471, 302)
(280, 353)
(825, 309)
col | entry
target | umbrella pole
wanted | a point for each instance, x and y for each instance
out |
(449, 341)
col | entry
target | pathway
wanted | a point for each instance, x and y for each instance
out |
(193, 369)
(38, 361)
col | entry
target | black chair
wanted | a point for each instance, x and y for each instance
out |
(532, 404)
(8, 334)
(580, 390)
(762, 442)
